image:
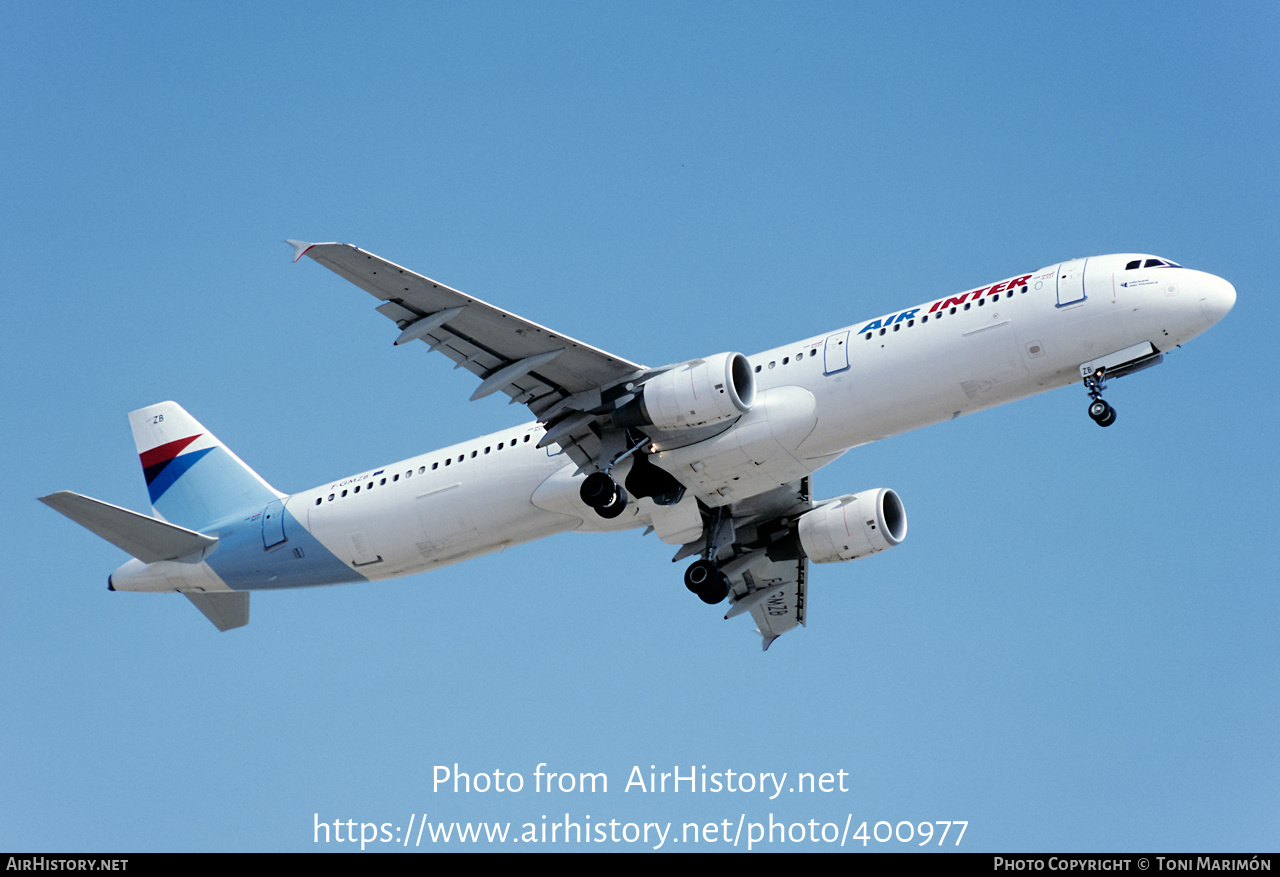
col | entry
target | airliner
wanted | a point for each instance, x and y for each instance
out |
(715, 455)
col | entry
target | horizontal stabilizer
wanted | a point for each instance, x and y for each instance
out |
(146, 538)
(226, 609)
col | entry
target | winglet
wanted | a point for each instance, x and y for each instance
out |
(299, 248)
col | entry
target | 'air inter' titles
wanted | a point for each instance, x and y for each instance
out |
(971, 295)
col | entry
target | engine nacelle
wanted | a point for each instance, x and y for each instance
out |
(853, 526)
(696, 393)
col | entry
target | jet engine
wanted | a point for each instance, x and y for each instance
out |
(851, 527)
(695, 393)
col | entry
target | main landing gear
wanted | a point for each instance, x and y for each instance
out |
(706, 580)
(606, 496)
(1101, 412)
(603, 494)
(704, 577)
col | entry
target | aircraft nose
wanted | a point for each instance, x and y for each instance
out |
(1217, 297)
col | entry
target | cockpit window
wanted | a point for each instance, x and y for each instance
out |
(1151, 263)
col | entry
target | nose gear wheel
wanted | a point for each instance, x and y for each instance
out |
(1099, 409)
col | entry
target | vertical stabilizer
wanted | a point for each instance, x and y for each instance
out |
(194, 480)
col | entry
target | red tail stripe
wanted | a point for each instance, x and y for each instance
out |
(166, 452)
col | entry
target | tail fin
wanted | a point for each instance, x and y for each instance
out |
(194, 480)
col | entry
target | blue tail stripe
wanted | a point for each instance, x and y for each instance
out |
(171, 472)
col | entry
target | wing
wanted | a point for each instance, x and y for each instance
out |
(573, 388)
(749, 542)
(561, 380)
(776, 598)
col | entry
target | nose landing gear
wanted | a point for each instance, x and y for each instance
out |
(1099, 409)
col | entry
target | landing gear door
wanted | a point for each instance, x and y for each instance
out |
(836, 353)
(273, 524)
(1071, 282)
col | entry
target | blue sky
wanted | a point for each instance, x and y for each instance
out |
(1075, 647)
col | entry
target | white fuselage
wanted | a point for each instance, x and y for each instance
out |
(816, 398)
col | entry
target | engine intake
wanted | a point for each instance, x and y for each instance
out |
(851, 527)
(696, 393)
